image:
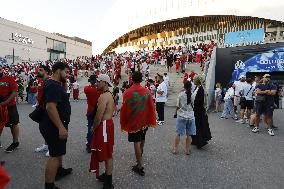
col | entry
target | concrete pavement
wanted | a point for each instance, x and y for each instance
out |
(234, 158)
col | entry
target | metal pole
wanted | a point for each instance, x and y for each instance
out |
(13, 55)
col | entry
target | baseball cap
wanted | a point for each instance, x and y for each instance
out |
(242, 76)
(266, 75)
(104, 77)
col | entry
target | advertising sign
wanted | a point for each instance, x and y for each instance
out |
(270, 61)
(246, 36)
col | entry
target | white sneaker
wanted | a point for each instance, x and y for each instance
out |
(255, 130)
(161, 123)
(270, 132)
(47, 154)
(42, 148)
(236, 117)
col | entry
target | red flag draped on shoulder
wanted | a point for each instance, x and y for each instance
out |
(138, 110)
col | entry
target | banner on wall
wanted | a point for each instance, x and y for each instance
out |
(246, 36)
(270, 61)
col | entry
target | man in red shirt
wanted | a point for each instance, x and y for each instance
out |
(8, 92)
(92, 94)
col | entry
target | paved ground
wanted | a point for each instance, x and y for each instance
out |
(235, 158)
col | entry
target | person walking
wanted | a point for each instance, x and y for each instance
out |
(8, 94)
(228, 105)
(185, 123)
(137, 114)
(161, 99)
(54, 125)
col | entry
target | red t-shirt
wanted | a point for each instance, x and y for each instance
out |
(92, 94)
(7, 86)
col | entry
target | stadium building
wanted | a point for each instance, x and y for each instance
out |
(20, 43)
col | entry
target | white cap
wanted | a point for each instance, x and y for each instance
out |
(104, 77)
(266, 75)
(242, 76)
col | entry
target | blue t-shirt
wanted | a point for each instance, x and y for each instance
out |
(269, 99)
(55, 92)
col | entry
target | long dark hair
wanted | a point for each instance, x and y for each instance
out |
(187, 87)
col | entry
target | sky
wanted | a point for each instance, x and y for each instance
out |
(102, 21)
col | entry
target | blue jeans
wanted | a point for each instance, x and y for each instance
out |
(33, 98)
(228, 108)
(89, 133)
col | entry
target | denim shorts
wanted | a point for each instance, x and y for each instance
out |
(185, 126)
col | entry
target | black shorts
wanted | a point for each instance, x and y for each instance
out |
(262, 108)
(13, 116)
(247, 104)
(56, 146)
(137, 137)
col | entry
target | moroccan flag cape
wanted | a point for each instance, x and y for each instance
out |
(138, 110)
(4, 178)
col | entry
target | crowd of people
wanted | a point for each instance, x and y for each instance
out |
(48, 86)
(248, 99)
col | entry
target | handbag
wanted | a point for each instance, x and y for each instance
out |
(37, 114)
(260, 98)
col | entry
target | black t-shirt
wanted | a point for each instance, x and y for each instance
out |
(269, 99)
(55, 92)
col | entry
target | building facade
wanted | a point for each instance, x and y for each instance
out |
(20, 43)
(196, 29)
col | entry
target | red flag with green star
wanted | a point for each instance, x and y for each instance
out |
(138, 110)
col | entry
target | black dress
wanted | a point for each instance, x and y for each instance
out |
(203, 134)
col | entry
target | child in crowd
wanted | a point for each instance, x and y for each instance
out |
(228, 106)
(75, 87)
(218, 97)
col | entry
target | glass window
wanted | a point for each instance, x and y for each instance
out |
(59, 46)
(49, 43)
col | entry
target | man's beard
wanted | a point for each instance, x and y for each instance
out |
(62, 79)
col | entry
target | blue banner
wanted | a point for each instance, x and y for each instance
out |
(246, 36)
(270, 61)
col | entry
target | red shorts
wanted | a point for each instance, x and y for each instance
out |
(102, 144)
(76, 93)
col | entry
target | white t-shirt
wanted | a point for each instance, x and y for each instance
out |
(238, 87)
(185, 110)
(144, 66)
(76, 85)
(167, 80)
(162, 97)
(229, 94)
(247, 91)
